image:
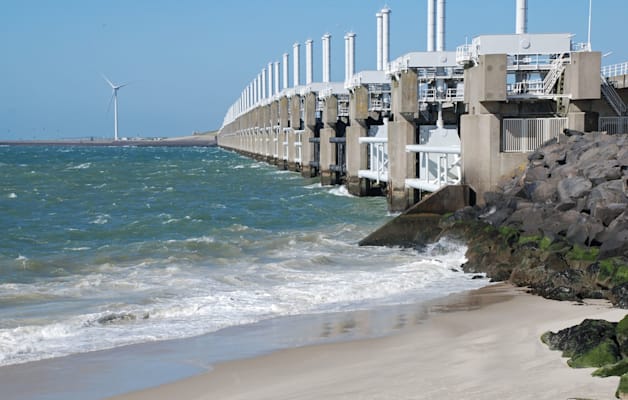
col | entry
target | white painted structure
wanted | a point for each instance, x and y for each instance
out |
(296, 81)
(326, 41)
(114, 95)
(385, 36)
(431, 25)
(521, 26)
(440, 26)
(286, 68)
(379, 42)
(309, 61)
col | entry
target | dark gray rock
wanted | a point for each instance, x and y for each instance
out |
(613, 238)
(554, 154)
(573, 188)
(564, 171)
(544, 192)
(611, 192)
(584, 230)
(615, 244)
(536, 174)
(602, 171)
(607, 213)
(622, 156)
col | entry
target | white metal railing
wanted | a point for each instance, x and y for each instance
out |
(266, 140)
(522, 135)
(525, 87)
(298, 145)
(554, 73)
(276, 143)
(438, 166)
(286, 132)
(610, 71)
(613, 125)
(378, 159)
(463, 53)
(432, 95)
(580, 46)
(612, 97)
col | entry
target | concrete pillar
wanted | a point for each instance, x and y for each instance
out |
(263, 150)
(328, 149)
(274, 123)
(402, 132)
(480, 151)
(292, 166)
(295, 112)
(283, 124)
(307, 153)
(357, 153)
(295, 124)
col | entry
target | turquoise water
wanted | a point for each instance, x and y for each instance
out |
(104, 247)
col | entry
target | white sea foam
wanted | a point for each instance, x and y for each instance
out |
(340, 191)
(81, 166)
(182, 302)
(101, 219)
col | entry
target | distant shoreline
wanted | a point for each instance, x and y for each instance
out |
(191, 141)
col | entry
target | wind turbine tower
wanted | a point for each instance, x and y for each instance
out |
(114, 96)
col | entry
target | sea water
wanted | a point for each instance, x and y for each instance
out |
(103, 247)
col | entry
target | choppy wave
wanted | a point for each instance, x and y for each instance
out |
(165, 299)
(128, 245)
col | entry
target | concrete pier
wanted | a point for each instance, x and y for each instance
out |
(426, 120)
(402, 132)
(356, 153)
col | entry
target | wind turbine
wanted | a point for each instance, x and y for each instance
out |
(114, 96)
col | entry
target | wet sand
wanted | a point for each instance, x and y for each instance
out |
(478, 345)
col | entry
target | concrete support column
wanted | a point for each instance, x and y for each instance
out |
(577, 121)
(283, 123)
(292, 166)
(307, 153)
(402, 132)
(328, 149)
(357, 153)
(480, 151)
(274, 124)
(295, 124)
(295, 112)
(263, 151)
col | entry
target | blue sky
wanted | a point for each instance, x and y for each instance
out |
(187, 61)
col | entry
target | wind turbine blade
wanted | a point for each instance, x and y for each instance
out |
(108, 81)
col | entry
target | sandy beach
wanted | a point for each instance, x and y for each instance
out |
(483, 345)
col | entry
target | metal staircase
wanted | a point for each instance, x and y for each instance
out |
(555, 72)
(612, 97)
